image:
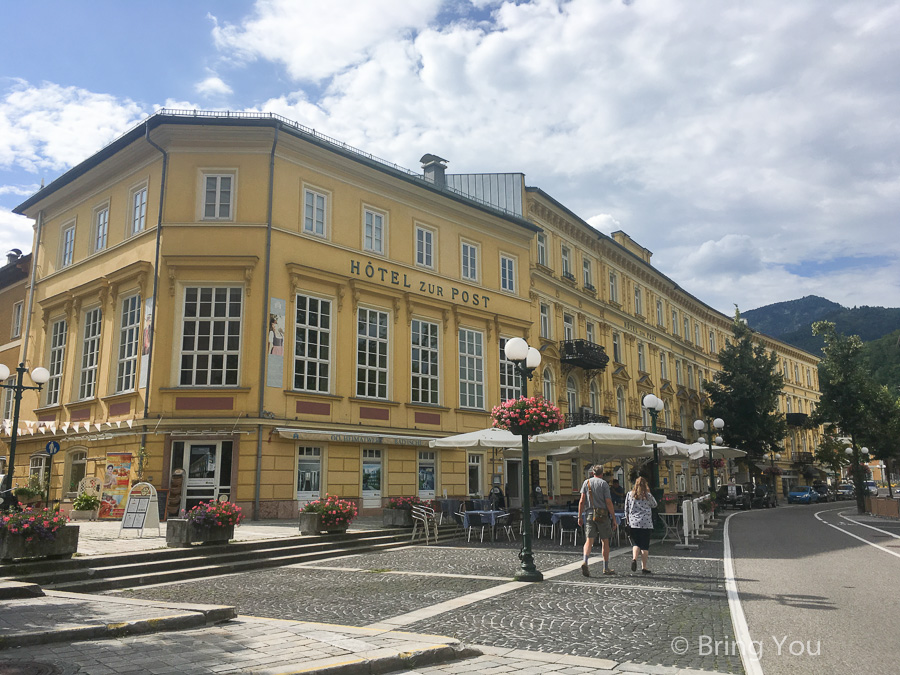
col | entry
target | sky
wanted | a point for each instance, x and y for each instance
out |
(752, 146)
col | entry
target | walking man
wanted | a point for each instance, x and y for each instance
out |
(596, 513)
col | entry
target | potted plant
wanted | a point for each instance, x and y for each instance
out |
(330, 514)
(707, 505)
(717, 463)
(36, 533)
(669, 502)
(85, 507)
(527, 416)
(31, 493)
(207, 523)
(398, 512)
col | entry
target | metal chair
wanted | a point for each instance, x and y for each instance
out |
(424, 517)
(568, 525)
(511, 522)
(458, 518)
(544, 521)
(475, 520)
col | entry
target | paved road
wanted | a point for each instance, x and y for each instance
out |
(818, 599)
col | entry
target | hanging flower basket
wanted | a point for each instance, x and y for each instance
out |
(527, 416)
(717, 463)
(772, 471)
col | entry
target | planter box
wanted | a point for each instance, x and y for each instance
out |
(63, 546)
(396, 518)
(83, 515)
(883, 506)
(181, 532)
(311, 523)
(670, 507)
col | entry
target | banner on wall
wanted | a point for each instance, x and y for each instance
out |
(275, 343)
(116, 482)
(145, 342)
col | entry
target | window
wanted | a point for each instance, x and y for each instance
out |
(568, 327)
(690, 374)
(613, 287)
(309, 473)
(645, 416)
(679, 380)
(589, 332)
(138, 210)
(8, 399)
(425, 351)
(790, 405)
(475, 480)
(68, 246)
(77, 468)
(617, 349)
(796, 373)
(314, 213)
(217, 197)
(595, 399)
(571, 395)
(551, 479)
(642, 362)
(101, 228)
(663, 366)
(469, 261)
(567, 263)
(58, 333)
(682, 419)
(17, 320)
(424, 247)
(372, 353)
(373, 238)
(660, 321)
(620, 406)
(547, 385)
(542, 250)
(545, 320)
(471, 369)
(211, 336)
(712, 341)
(687, 329)
(507, 274)
(674, 322)
(312, 345)
(427, 478)
(586, 274)
(808, 377)
(38, 467)
(576, 476)
(638, 300)
(697, 334)
(129, 333)
(509, 387)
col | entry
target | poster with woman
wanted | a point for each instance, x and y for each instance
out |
(145, 342)
(275, 343)
(116, 482)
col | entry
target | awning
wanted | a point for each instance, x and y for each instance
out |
(362, 439)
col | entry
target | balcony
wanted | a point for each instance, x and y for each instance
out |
(568, 276)
(796, 419)
(583, 354)
(671, 434)
(589, 287)
(804, 457)
(574, 419)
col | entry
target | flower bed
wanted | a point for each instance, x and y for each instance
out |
(36, 534)
(398, 512)
(527, 416)
(330, 514)
(215, 514)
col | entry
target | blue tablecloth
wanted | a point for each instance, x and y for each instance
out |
(487, 517)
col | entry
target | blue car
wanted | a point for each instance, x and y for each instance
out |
(803, 494)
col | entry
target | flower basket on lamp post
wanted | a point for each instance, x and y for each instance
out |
(527, 416)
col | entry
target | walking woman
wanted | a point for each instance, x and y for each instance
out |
(638, 516)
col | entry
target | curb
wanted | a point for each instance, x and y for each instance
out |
(429, 656)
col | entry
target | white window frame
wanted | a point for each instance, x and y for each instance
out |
(663, 365)
(566, 256)
(218, 191)
(568, 327)
(687, 329)
(374, 231)
(137, 201)
(638, 301)
(425, 253)
(679, 378)
(101, 228)
(595, 398)
(310, 455)
(542, 249)
(129, 341)
(67, 245)
(621, 411)
(425, 360)
(468, 258)
(507, 273)
(59, 331)
(509, 384)
(697, 340)
(690, 376)
(18, 309)
(9, 399)
(475, 461)
(313, 323)
(589, 332)
(571, 394)
(547, 384)
(471, 369)
(545, 320)
(712, 341)
(675, 322)
(312, 224)
(660, 316)
(587, 273)
(617, 347)
(206, 349)
(373, 353)
(613, 287)
(642, 360)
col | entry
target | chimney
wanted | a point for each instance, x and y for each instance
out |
(434, 168)
(13, 256)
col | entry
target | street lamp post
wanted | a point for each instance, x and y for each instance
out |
(525, 359)
(654, 405)
(856, 468)
(39, 376)
(718, 424)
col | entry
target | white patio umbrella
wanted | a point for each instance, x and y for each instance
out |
(483, 438)
(674, 449)
(701, 451)
(604, 439)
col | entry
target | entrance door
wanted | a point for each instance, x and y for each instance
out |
(426, 475)
(309, 474)
(371, 479)
(514, 483)
(207, 467)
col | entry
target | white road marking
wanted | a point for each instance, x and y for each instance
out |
(850, 534)
(871, 527)
(749, 657)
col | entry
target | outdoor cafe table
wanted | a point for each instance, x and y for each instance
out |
(487, 517)
(672, 521)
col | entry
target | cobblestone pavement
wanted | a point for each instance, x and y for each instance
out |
(630, 618)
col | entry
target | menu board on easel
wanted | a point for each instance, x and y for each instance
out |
(141, 509)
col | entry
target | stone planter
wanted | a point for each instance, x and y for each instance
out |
(396, 518)
(83, 515)
(181, 532)
(670, 507)
(63, 546)
(311, 523)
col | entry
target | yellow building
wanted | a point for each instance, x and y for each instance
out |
(280, 316)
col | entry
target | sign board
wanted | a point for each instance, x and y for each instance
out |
(141, 509)
(732, 490)
(52, 448)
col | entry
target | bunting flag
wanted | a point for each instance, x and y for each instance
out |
(108, 424)
(129, 423)
(97, 426)
(29, 424)
(65, 427)
(43, 429)
(118, 424)
(52, 427)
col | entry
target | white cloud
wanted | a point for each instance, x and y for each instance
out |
(213, 86)
(15, 231)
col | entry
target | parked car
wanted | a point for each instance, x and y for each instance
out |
(871, 488)
(733, 496)
(803, 494)
(825, 495)
(846, 491)
(761, 497)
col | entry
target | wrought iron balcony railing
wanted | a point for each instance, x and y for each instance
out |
(804, 457)
(583, 354)
(796, 419)
(574, 419)
(671, 434)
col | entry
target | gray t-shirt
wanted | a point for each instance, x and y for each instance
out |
(599, 493)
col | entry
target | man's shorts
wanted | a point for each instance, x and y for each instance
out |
(593, 529)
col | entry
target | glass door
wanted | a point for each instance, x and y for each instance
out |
(309, 474)
(514, 484)
(207, 469)
(426, 475)
(371, 479)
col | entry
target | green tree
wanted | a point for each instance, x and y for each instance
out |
(830, 451)
(745, 394)
(883, 438)
(849, 396)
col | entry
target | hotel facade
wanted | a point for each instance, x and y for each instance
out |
(280, 316)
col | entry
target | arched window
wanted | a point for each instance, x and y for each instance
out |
(620, 406)
(548, 385)
(571, 395)
(595, 398)
(668, 414)
(76, 470)
(645, 416)
(682, 417)
(790, 407)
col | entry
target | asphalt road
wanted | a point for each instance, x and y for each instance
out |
(817, 599)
